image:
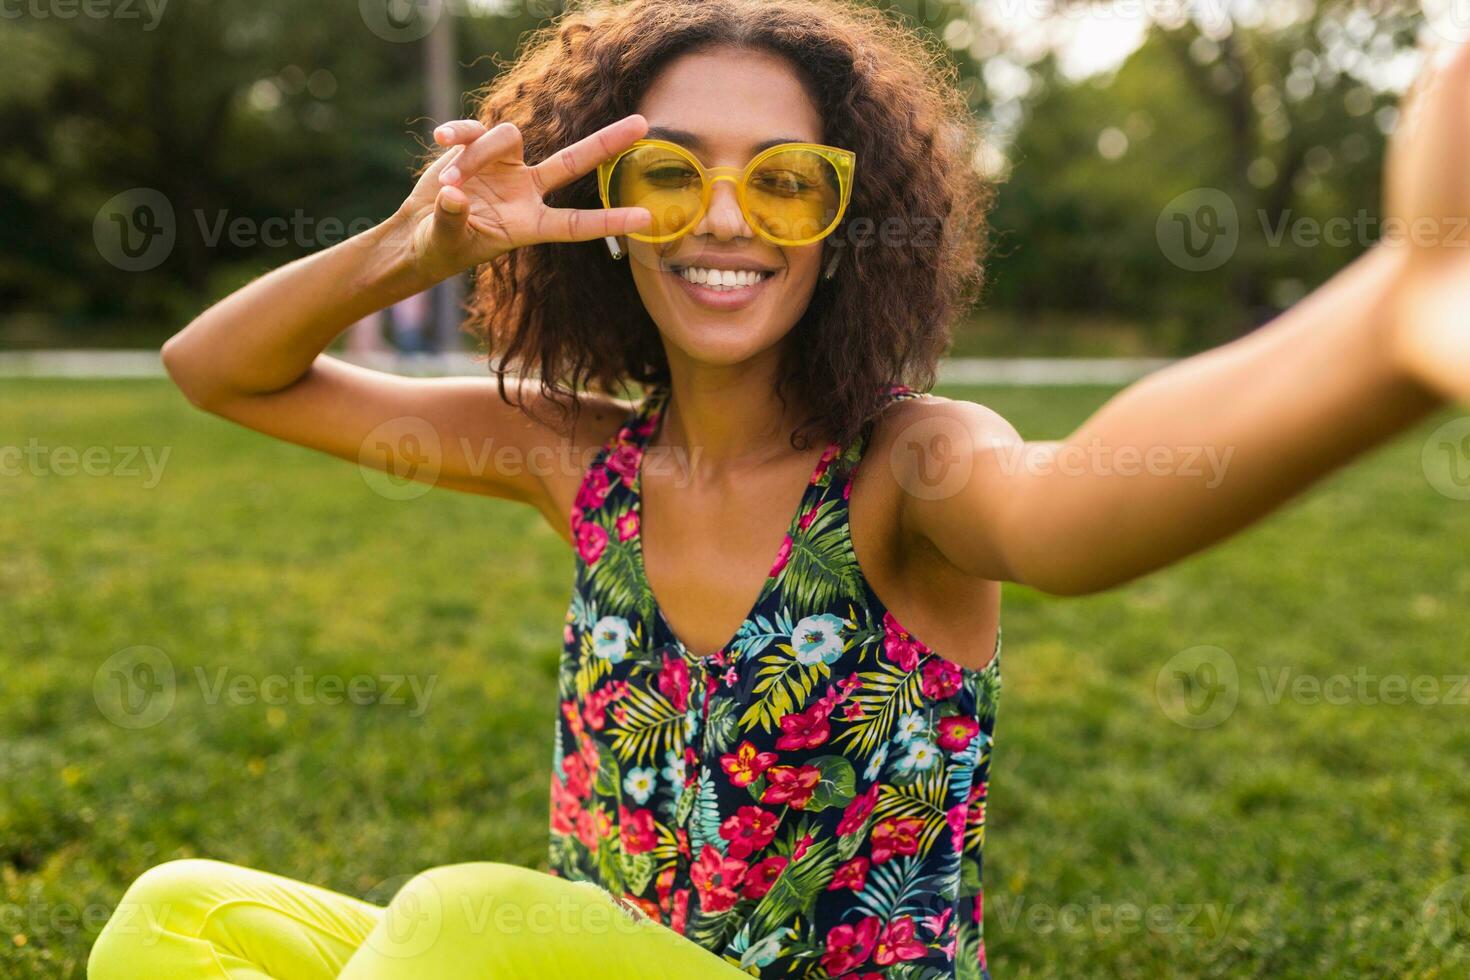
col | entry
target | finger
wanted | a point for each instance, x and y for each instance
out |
(579, 225)
(458, 131)
(451, 212)
(436, 169)
(501, 142)
(583, 156)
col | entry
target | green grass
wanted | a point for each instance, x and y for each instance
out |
(1312, 835)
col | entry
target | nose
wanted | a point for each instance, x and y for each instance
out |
(723, 219)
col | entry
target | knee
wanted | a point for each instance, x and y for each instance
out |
(465, 905)
(162, 898)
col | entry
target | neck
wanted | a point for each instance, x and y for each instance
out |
(729, 414)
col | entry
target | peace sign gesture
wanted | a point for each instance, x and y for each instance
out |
(481, 199)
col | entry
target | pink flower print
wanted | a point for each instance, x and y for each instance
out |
(857, 811)
(828, 454)
(748, 830)
(808, 517)
(941, 678)
(638, 831)
(594, 489)
(762, 875)
(624, 461)
(956, 731)
(782, 557)
(716, 878)
(900, 647)
(853, 874)
(673, 681)
(792, 785)
(627, 526)
(849, 947)
(897, 943)
(955, 817)
(896, 835)
(591, 542)
(805, 730)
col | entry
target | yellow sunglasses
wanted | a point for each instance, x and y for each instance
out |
(790, 194)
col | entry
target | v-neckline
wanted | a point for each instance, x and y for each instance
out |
(724, 656)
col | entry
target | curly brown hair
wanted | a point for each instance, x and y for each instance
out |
(567, 313)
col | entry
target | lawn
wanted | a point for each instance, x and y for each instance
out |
(1301, 836)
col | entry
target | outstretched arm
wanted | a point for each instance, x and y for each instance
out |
(1199, 451)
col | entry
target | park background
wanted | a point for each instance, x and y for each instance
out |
(1169, 176)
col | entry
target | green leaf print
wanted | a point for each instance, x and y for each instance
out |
(898, 887)
(922, 799)
(915, 971)
(706, 826)
(796, 890)
(614, 578)
(783, 687)
(821, 567)
(649, 729)
(835, 787)
(721, 728)
(609, 852)
(609, 779)
(886, 696)
(637, 870)
(969, 876)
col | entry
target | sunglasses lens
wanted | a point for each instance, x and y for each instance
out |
(794, 195)
(662, 181)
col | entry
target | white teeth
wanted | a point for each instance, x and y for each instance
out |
(723, 279)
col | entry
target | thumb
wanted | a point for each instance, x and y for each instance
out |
(451, 213)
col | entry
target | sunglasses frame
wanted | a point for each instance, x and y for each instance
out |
(844, 162)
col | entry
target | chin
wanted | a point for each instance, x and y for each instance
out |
(724, 344)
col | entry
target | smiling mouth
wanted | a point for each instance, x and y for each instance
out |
(723, 280)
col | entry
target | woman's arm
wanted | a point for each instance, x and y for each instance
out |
(1199, 451)
(256, 356)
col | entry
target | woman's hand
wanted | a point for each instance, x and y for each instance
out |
(481, 199)
(1429, 204)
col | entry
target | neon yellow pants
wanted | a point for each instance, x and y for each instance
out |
(205, 919)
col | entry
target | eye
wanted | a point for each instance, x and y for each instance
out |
(670, 174)
(787, 183)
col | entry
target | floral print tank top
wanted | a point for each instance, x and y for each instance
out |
(807, 802)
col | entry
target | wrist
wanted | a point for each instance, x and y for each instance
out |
(391, 270)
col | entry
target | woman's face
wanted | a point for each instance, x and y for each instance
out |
(725, 106)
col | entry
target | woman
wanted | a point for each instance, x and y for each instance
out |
(761, 767)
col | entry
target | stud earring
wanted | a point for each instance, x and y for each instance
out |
(614, 247)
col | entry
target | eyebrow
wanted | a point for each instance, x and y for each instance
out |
(691, 141)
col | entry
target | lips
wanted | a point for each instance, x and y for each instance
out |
(722, 289)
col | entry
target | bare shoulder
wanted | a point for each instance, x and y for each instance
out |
(574, 439)
(922, 451)
(934, 430)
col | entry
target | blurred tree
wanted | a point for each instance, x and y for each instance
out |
(1287, 118)
(262, 122)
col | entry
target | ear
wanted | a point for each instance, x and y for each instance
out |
(615, 247)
